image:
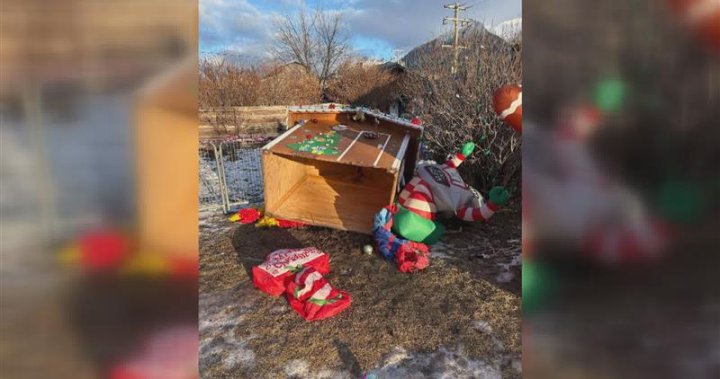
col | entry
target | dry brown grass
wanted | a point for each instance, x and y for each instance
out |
(422, 312)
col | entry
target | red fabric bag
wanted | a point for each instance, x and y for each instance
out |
(280, 266)
(313, 298)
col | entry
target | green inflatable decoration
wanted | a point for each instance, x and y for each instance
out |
(610, 95)
(681, 201)
(538, 283)
(416, 228)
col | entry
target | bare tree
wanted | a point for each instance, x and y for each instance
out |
(316, 41)
(332, 43)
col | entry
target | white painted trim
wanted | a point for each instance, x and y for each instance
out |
(401, 152)
(282, 136)
(377, 160)
(347, 109)
(351, 145)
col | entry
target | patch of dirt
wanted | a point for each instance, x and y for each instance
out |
(462, 305)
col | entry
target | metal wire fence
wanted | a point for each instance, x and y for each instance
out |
(231, 173)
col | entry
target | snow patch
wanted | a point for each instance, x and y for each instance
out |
(444, 364)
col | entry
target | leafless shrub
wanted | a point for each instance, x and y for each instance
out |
(223, 83)
(458, 108)
(357, 82)
(287, 84)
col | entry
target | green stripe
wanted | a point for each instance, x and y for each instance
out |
(323, 302)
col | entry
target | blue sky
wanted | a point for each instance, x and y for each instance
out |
(377, 28)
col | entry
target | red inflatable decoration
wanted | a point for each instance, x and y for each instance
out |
(280, 267)
(507, 102)
(702, 16)
(313, 298)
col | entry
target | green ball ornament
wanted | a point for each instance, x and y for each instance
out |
(468, 148)
(610, 95)
(499, 195)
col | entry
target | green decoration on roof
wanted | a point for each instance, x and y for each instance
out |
(320, 144)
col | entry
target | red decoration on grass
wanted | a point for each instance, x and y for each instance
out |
(412, 257)
(102, 250)
(248, 215)
(182, 267)
(416, 121)
(287, 224)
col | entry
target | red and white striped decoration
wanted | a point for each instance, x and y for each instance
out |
(507, 102)
(643, 242)
(418, 198)
(702, 16)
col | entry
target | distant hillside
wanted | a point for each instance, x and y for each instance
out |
(475, 36)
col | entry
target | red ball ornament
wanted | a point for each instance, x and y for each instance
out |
(702, 17)
(416, 121)
(507, 102)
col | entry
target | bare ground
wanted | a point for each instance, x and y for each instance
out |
(459, 318)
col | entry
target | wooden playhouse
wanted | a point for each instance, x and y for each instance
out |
(336, 166)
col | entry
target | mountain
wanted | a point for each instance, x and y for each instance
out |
(474, 36)
(508, 30)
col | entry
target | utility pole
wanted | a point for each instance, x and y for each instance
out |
(457, 24)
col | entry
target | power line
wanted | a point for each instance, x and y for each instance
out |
(457, 24)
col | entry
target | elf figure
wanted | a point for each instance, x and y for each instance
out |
(439, 189)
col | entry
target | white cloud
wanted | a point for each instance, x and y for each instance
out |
(245, 27)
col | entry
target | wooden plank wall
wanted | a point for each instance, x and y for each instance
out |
(219, 121)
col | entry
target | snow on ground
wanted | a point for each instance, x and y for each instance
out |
(442, 364)
(243, 176)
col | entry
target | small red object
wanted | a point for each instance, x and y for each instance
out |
(184, 267)
(287, 224)
(103, 250)
(314, 120)
(308, 136)
(248, 215)
(416, 121)
(412, 257)
(702, 17)
(331, 106)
